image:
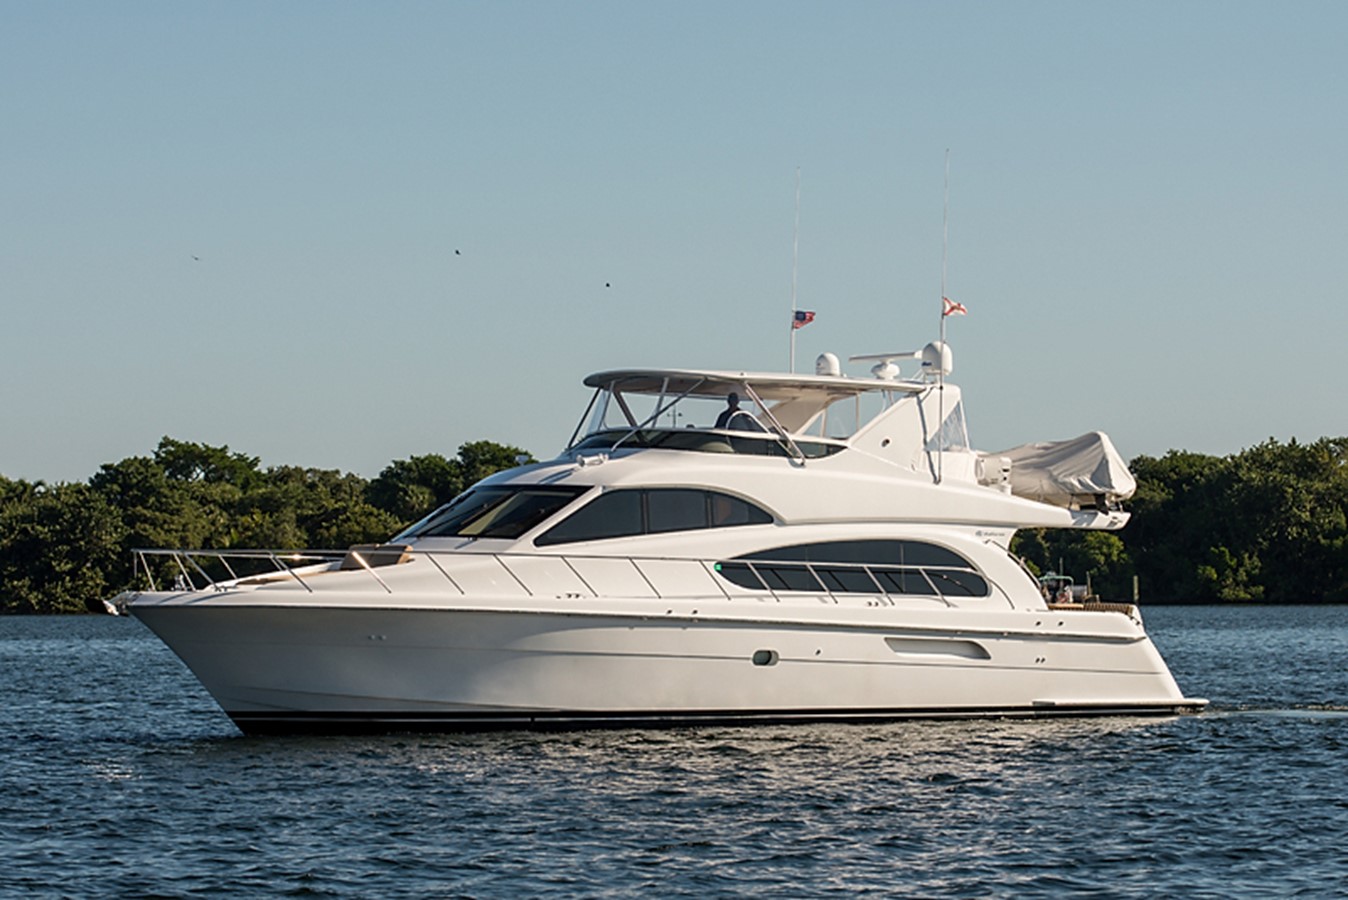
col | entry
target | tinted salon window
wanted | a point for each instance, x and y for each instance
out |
(614, 514)
(623, 513)
(675, 510)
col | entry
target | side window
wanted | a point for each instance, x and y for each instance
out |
(727, 510)
(614, 514)
(848, 580)
(623, 513)
(917, 553)
(871, 553)
(741, 574)
(861, 567)
(958, 584)
(905, 581)
(789, 578)
(675, 510)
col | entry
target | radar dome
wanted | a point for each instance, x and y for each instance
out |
(936, 358)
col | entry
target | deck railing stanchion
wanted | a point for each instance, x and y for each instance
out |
(364, 565)
(589, 587)
(636, 565)
(448, 577)
(512, 574)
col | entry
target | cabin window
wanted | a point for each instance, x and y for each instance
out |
(905, 581)
(958, 584)
(859, 567)
(848, 580)
(789, 578)
(872, 552)
(507, 511)
(628, 512)
(741, 574)
(612, 514)
(675, 510)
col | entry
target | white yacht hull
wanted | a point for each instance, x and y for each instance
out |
(353, 666)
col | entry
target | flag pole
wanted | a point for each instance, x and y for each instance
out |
(795, 256)
(940, 365)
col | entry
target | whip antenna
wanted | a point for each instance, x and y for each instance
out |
(795, 256)
(945, 239)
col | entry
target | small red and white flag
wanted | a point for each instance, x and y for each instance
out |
(802, 318)
(952, 308)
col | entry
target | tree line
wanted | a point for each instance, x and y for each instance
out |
(1268, 524)
(67, 547)
(1265, 525)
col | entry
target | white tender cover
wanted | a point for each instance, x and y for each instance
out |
(1056, 472)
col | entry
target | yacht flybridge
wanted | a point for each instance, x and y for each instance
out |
(711, 546)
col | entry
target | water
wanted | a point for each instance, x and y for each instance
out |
(120, 777)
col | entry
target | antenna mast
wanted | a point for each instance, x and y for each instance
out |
(945, 239)
(795, 255)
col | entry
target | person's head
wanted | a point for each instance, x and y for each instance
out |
(732, 400)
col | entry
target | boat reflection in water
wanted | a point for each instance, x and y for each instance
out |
(834, 551)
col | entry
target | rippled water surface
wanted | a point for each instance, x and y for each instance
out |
(119, 776)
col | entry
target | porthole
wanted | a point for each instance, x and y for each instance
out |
(765, 657)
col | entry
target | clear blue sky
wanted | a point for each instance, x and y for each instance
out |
(236, 223)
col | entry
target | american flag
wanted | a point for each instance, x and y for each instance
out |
(802, 318)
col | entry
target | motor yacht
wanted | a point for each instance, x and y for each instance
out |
(710, 546)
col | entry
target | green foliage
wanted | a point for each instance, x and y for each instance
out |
(68, 547)
(1268, 524)
(1098, 556)
(410, 488)
(57, 546)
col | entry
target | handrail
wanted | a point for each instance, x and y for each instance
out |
(282, 561)
(182, 558)
(783, 436)
(653, 417)
(865, 568)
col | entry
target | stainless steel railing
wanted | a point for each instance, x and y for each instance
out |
(190, 570)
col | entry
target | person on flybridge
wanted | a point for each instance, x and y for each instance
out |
(734, 418)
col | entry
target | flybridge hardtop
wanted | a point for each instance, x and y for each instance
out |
(915, 425)
(711, 546)
(771, 386)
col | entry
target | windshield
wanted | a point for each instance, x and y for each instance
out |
(507, 511)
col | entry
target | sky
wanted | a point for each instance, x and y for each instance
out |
(337, 234)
